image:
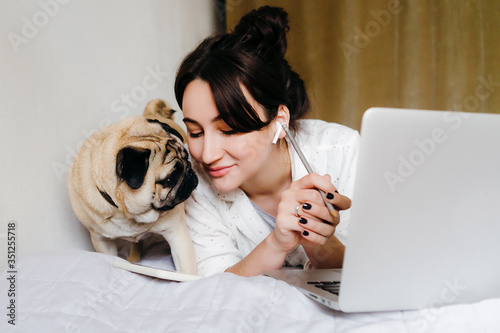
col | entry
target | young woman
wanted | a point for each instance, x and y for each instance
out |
(256, 208)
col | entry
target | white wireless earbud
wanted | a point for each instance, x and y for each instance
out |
(278, 132)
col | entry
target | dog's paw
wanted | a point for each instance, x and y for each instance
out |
(135, 254)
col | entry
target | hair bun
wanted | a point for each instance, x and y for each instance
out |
(264, 29)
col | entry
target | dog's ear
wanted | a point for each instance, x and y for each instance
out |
(168, 128)
(158, 107)
(132, 165)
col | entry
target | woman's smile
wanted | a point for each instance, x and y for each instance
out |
(218, 171)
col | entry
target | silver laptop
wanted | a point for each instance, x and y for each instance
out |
(425, 219)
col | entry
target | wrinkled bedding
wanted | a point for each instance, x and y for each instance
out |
(80, 291)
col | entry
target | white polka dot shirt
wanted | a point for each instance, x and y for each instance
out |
(225, 227)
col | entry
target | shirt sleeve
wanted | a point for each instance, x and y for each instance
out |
(333, 149)
(214, 243)
(346, 178)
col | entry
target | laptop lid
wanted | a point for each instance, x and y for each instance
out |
(425, 219)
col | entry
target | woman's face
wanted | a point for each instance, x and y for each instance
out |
(230, 159)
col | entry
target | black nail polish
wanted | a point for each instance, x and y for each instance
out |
(306, 206)
(305, 233)
(336, 191)
(329, 196)
(302, 220)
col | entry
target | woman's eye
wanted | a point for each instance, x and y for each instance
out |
(195, 135)
(229, 133)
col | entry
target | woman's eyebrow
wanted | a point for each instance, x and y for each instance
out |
(192, 121)
(189, 120)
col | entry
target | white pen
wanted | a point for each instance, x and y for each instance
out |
(308, 167)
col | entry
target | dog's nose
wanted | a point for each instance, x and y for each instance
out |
(188, 185)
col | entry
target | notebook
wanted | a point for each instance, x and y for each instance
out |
(159, 273)
(425, 215)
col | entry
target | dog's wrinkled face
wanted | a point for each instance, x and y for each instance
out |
(154, 173)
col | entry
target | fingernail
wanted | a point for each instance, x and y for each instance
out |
(306, 206)
(305, 233)
(302, 220)
(336, 191)
(329, 196)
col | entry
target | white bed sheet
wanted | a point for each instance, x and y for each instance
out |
(80, 291)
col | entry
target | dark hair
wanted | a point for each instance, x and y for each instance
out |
(253, 55)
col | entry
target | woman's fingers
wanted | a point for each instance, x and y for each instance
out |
(317, 227)
(314, 237)
(302, 208)
(339, 201)
(310, 202)
(315, 208)
(323, 183)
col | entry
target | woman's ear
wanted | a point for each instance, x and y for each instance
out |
(283, 117)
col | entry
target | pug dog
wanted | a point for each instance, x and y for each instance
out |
(129, 180)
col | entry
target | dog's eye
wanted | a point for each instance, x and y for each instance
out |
(167, 182)
(172, 179)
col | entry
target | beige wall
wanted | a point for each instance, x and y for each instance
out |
(355, 54)
(68, 68)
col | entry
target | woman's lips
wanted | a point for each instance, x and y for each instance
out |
(219, 171)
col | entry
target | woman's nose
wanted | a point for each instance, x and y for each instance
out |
(212, 150)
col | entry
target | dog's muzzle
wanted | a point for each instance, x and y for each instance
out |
(182, 190)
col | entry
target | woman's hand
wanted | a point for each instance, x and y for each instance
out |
(303, 216)
(304, 219)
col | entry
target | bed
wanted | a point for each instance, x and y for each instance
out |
(81, 291)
